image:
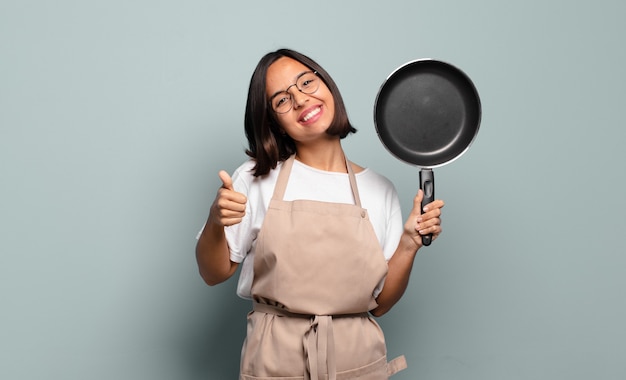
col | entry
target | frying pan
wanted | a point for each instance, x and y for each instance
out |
(427, 113)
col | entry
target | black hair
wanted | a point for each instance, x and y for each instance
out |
(267, 144)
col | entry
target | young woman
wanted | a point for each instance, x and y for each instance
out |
(321, 239)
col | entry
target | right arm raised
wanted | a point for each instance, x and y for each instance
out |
(212, 253)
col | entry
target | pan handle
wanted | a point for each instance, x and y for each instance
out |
(427, 184)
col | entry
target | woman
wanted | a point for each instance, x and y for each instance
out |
(321, 239)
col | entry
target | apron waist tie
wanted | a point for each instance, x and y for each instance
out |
(319, 341)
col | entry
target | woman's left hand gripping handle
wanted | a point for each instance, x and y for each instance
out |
(424, 222)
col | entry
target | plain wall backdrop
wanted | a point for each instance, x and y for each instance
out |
(115, 117)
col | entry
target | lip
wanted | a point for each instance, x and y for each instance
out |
(308, 111)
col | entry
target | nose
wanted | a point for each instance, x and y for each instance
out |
(299, 98)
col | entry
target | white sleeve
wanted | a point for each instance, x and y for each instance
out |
(395, 226)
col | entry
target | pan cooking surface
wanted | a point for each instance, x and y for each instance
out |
(427, 113)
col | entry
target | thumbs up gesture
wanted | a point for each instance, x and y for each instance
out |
(229, 206)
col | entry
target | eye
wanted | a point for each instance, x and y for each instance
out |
(308, 82)
(281, 100)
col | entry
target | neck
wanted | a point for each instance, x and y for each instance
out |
(326, 157)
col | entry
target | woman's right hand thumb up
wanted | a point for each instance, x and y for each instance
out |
(229, 206)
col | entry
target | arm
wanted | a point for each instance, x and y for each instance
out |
(401, 262)
(212, 253)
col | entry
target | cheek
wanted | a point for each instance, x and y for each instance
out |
(284, 121)
(331, 108)
(330, 101)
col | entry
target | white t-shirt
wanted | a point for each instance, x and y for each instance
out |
(378, 197)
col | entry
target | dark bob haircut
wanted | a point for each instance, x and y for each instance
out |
(267, 145)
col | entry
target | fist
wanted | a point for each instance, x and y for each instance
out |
(229, 206)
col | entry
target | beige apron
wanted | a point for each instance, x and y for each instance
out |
(316, 266)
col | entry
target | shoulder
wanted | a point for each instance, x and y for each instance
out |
(245, 170)
(372, 178)
(377, 190)
(356, 168)
(367, 174)
(244, 179)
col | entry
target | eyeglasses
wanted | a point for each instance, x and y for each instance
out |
(307, 83)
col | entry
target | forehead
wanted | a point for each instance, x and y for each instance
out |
(283, 73)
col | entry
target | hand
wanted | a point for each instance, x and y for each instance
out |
(429, 222)
(229, 206)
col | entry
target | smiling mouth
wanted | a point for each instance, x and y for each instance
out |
(309, 115)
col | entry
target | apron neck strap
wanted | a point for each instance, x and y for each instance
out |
(285, 170)
(283, 177)
(355, 189)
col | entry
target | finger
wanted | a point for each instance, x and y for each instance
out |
(425, 229)
(231, 221)
(430, 225)
(227, 193)
(431, 212)
(227, 182)
(436, 204)
(233, 206)
(226, 197)
(429, 222)
(227, 212)
(436, 233)
(417, 203)
(227, 216)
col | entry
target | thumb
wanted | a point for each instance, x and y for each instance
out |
(227, 182)
(417, 202)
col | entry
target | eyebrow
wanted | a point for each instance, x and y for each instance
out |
(297, 77)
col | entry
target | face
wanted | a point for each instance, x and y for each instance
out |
(311, 114)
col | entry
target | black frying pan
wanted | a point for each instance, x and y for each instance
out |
(427, 113)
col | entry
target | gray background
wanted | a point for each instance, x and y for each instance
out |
(115, 117)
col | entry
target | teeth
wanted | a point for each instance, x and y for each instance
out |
(311, 114)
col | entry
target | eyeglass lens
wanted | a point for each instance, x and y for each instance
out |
(307, 83)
